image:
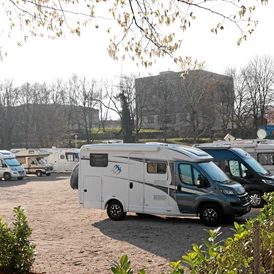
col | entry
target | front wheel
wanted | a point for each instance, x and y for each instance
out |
(256, 199)
(20, 178)
(211, 215)
(39, 173)
(7, 176)
(47, 174)
(115, 211)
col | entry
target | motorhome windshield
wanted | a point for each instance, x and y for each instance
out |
(256, 166)
(12, 162)
(215, 172)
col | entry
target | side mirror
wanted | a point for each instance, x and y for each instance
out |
(202, 182)
(248, 174)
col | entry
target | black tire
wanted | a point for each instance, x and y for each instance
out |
(47, 174)
(7, 176)
(20, 178)
(256, 199)
(211, 215)
(115, 211)
(39, 173)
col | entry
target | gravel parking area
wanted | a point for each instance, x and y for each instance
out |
(70, 239)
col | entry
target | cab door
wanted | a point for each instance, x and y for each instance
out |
(188, 193)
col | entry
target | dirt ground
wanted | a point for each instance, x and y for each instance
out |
(74, 240)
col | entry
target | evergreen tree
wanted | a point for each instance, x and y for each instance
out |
(126, 120)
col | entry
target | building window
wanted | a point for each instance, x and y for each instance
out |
(98, 160)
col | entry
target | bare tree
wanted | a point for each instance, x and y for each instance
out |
(196, 112)
(223, 97)
(26, 115)
(242, 122)
(104, 102)
(145, 28)
(259, 75)
(84, 98)
(8, 101)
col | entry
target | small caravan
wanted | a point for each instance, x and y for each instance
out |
(10, 168)
(33, 160)
(62, 159)
(157, 179)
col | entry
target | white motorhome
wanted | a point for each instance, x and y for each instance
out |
(157, 179)
(33, 160)
(62, 159)
(10, 168)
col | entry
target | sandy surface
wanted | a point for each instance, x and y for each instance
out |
(70, 239)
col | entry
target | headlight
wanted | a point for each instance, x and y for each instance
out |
(269, 182)
(227, 192)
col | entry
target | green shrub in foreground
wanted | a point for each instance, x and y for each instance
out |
(233, 256)
(17, 254)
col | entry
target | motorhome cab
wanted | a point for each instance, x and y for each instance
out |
(62, 159)
(157, 179)
(10, 168)
(33, 160)
(241, 167)
(260, 149)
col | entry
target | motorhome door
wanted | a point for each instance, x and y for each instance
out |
(136, 165)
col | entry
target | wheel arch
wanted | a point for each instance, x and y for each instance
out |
(203, 203)
(111, 198)
(9, 175)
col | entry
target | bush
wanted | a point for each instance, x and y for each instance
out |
(17, 254)
(251, 250)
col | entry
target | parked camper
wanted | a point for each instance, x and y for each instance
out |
(62, 159)
(10, 168)
(241, 167)
(157, 179)
(260, 149)
(33, 160)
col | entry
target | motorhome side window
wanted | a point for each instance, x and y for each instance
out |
(159, 168)
(265, 158)
(98, 160)
(237, 169)
(71, 157)
(188, 174)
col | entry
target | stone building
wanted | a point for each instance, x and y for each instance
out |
(201, 101)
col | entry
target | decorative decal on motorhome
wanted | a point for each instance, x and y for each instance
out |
(116, 169)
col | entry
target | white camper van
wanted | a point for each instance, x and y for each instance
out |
(157, 179)
(10, 168)
(62, 159)
(33, 160)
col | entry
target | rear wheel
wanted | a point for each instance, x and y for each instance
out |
(7, 176)
(115, 211)
(20, 178)
(39, 173)
(211, 215)
(256, 199)
(47, 174)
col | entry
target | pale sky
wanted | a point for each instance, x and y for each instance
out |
(42, 60)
